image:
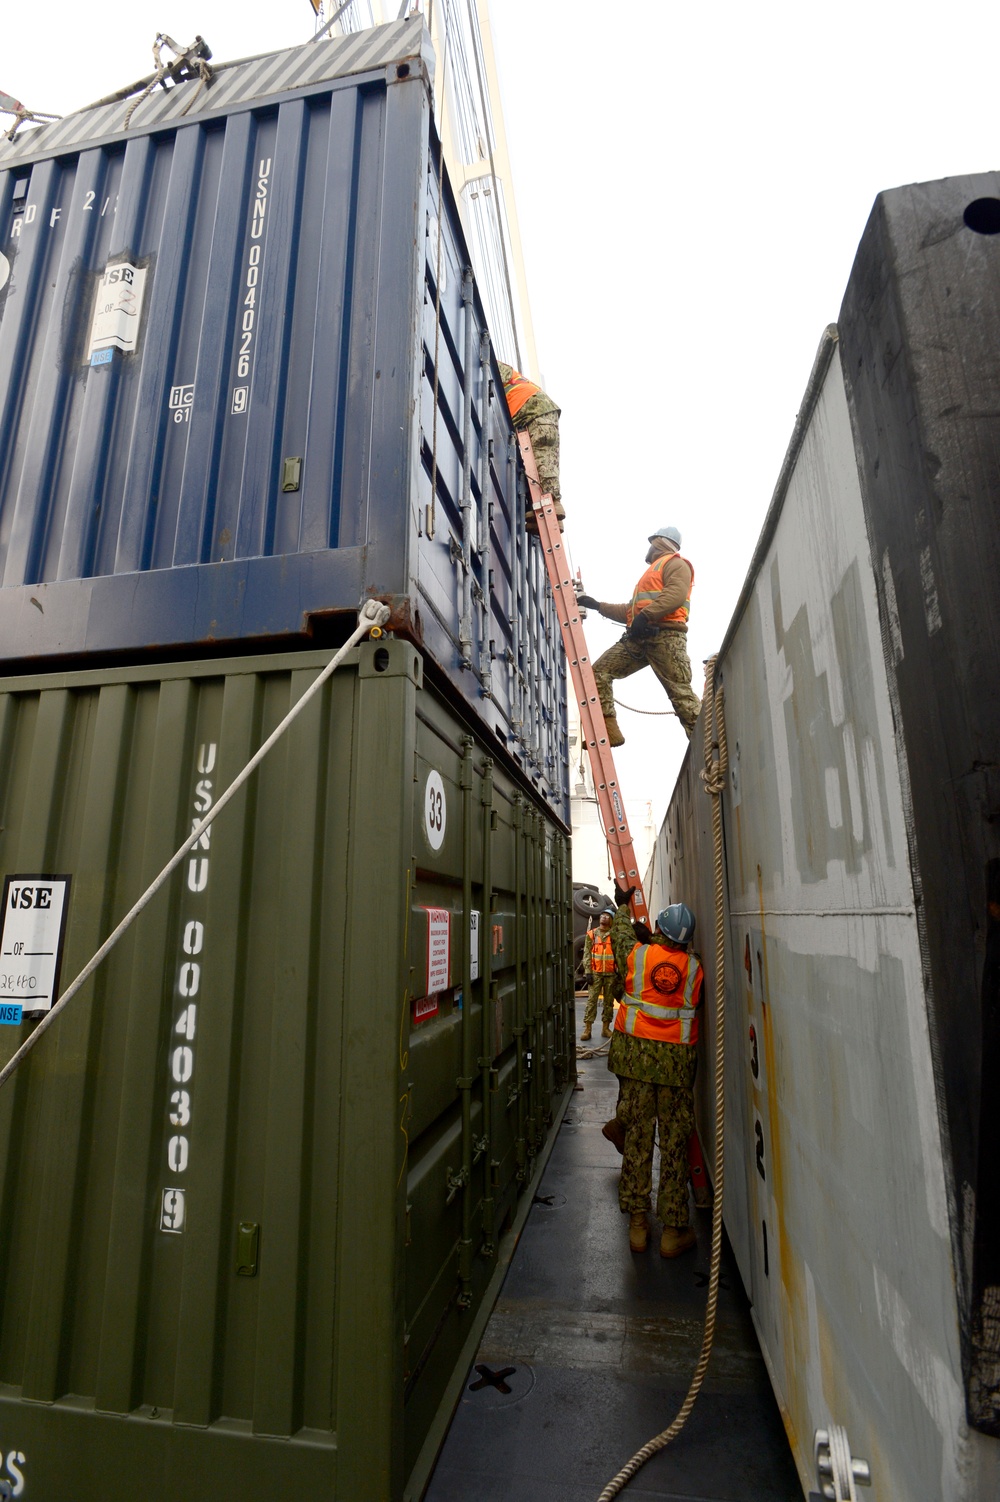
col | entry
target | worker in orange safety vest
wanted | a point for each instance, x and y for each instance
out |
(653, 1053)
(534, 412)
(605, 984)
(656, 621)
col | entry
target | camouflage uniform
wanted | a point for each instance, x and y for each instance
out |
(539, 418)
(666, 654)
(607, 987)
(657, 1082)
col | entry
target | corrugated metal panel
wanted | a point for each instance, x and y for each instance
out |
(253, 1184)
(837, 1191)
(289, 313)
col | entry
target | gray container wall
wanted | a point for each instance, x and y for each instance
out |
(287, 229)
(838, 1155)
(920, 328)
(262, 1041)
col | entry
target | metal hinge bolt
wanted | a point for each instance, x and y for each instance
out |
(837, 1469)
(455, 1182)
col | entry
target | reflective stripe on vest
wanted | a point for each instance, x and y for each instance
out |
(661, 1020)
(650, 585)
(602, 959)
(518, 390)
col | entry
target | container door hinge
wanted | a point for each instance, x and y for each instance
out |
(479, 1146)
(837, 1470)
(455, 1182)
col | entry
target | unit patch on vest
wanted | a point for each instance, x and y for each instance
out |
(665, 978)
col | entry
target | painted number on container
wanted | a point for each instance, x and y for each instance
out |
(181, 402)
(435, 811)
(758, 1132)
(248, 309)
(190, 961)
(172, 1211)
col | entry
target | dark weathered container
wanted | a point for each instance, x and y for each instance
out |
(257, 451)
(862, 870)
(350, 1151)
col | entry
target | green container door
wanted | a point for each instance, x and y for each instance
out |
(253, 1183)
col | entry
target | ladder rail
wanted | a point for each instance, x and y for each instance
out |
(592, 726)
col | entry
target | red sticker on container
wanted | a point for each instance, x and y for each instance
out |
(425, 1006)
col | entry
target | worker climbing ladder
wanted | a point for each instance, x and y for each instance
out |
(592, 728)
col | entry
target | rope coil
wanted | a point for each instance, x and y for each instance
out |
(714, 777)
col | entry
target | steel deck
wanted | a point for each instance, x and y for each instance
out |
(602, 1345)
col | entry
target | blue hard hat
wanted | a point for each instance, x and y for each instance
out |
(676, 922)
(669, 534)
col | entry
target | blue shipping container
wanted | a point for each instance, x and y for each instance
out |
(234, 400)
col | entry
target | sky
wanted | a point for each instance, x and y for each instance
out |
(692, 183)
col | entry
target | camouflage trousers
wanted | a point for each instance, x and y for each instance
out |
(602, 987)
(640, 1109)
(666, 654)
(544, 434)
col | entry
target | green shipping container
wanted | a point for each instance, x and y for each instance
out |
(255, 1184)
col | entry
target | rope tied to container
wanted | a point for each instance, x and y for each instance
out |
(187, 63)
(714, 777)
(373, 614)
(22, 115)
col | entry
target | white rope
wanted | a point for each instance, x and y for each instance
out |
(714, 778)
(373, 613)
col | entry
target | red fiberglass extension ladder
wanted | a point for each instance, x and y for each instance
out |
(592, 728)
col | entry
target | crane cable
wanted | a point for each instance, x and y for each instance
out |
(714, 777)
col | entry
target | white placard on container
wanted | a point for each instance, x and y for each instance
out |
(117, 309)
(438, 948)
(34, 923)
(474, 945)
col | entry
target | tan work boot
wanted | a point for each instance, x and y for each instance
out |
(605, 1030)
(676, 1239)
(615, 1133)
(638, 1231)
(585, 1035)
(615, 737)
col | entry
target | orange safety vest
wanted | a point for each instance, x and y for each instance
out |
(518, 390)
(602, 959)
(651, 584)
(662, 994)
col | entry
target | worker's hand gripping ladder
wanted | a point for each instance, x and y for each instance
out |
(592, 727)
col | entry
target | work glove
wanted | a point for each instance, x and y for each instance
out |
(642, 628)
(623, 897)
(588, 602)
(643, 934)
